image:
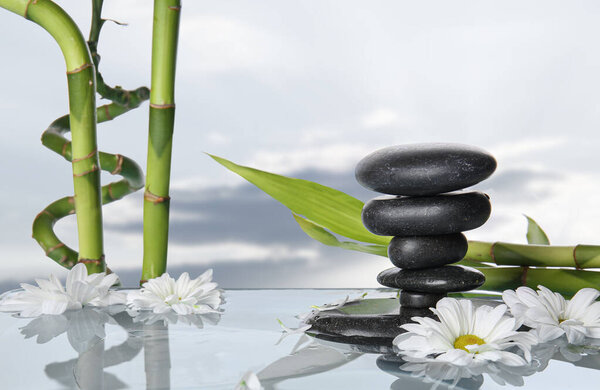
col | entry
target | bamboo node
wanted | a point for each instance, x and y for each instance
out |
(175, 8)
(142, 281)
(110, 193)
(107, 112)
(150, 197)
(81, 68)
(48, 213)
(26, 13)
(94, 169)
(162, 106)
(119, 166)
(524, 275)
(92, 261)
(577, 266)
(55, 247)
(63, 260)
(492, 255)
(64, 149)
(89, 155)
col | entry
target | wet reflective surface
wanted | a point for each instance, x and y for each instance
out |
(109, 349)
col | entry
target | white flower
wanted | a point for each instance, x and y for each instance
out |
(50, 297)
(466, 337)
(184, 296)
(551, 316)
(339, 303)
(249, 382)
(290, 331)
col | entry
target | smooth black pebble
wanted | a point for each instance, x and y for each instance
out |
(424, 169)
(412, 252)
(448, 278)
(414, 299)
(426, 215)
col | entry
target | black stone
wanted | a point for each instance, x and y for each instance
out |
(375, 330)
(414, 252)
(412, 299)
(448, 278)
(424, 169)
(427, 215)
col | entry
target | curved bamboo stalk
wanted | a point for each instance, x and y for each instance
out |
(133, 179)
(53, 138)
(82, 110)
(160, 138)
(502, 253)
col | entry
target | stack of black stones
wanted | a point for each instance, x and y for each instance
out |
(425, 217)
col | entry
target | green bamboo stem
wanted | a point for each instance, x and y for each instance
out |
(160, 138)
(501, 253)
(133, 179)
(82, 110)
(564, 281)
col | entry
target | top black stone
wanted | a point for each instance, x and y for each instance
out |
(424, 169)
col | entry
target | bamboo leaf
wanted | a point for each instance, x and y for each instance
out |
(318, 233)
(325, 206)
(535, 234)
(372, 306)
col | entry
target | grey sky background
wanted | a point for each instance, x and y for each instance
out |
(307, 88)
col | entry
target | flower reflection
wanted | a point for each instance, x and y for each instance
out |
(83, 327)
(452, 376)
(585, 354)
(170, 317)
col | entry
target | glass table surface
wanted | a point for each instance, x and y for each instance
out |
(92, 349)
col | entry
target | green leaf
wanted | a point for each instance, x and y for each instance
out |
(318, 233)
(325, 206)
(372, 306)
(535, 234)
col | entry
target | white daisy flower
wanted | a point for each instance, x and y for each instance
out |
(249, 382)
(551, 316)
(50, 297)
(465, 336)
(184, 296)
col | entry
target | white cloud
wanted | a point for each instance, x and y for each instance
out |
(218, 138)
(379, 118)
(331, 158)
(525, 146)
(237, 251)
(214, 43)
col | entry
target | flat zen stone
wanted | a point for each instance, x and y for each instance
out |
(448, 278)
(424, 169)
(412, 252)
(411, 299)
(426, 215)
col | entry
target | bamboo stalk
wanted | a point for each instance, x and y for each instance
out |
(564, 281)
(53, 138)
(133, 180)
(82, 110)
(160, 138)
(502, 253)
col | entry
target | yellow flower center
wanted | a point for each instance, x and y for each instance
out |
(468, 339)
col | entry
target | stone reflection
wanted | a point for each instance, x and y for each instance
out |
(86, 332)
(308, 357)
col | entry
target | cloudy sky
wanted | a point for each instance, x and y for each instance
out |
(306, 89)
